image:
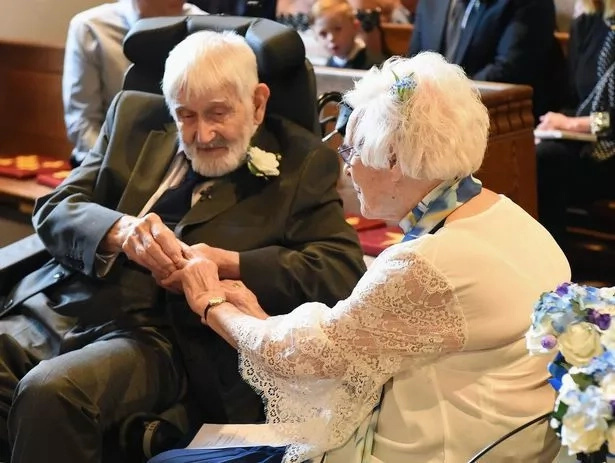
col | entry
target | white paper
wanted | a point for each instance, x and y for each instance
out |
(564, 135)
(217, 436)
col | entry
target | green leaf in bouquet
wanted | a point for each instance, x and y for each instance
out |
(560, 411)
(582, 380)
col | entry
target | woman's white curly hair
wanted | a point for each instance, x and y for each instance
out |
(437, 130)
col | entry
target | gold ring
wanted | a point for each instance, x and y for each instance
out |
(236, 285)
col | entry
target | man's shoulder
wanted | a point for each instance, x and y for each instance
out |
(291, 135)
(141, 109)
(105, 14)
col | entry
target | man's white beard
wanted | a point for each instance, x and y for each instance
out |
(219, 166)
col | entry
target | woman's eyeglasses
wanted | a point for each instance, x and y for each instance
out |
(347, 152)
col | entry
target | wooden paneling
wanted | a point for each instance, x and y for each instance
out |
(31, 113)
(396, 37)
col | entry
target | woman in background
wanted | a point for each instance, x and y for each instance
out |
(574, 170)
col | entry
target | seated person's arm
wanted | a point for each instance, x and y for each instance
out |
(84, 109)
(524, 44)
(558, 121)
(77, 221)
(401, 308)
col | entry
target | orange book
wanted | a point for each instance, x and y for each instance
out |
(29, 165)
(52, 179)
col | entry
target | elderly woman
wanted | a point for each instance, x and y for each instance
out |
(430, 344)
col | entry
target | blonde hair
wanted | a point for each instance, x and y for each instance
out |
(210, 61)
(607, 7)
(438, 131)
(322, 7)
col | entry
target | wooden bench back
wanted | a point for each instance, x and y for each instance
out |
(31, 116)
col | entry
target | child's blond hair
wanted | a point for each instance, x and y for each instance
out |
(322, 7)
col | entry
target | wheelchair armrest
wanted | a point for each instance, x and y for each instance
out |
(20, 258)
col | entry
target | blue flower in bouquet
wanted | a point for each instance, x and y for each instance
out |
(577, 321)
(584, 425)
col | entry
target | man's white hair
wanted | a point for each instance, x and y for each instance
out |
(209, 61)
(439, 132)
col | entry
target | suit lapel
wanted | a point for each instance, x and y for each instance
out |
(232, 188)
(152, 164)
(437, 28)
(465, 37)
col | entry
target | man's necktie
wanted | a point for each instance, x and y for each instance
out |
(453, 27)
(175, 203)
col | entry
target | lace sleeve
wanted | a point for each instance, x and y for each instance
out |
(320, 370)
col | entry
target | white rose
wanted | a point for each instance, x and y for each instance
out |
(607, 293)
(264, 162)
(580, 343)
(583, 433)
(608, 336)
(608, 386)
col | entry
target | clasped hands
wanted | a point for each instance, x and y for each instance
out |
(194, 270)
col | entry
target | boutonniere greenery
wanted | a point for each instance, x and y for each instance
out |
(263, 163)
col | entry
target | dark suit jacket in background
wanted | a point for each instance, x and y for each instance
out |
(290, 232)
(504, 41)
(364, 59)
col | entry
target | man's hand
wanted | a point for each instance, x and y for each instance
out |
(199, 281)
(146, 241)
(227, 261)
(241, 297)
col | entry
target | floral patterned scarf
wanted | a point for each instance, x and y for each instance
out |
(439, 203)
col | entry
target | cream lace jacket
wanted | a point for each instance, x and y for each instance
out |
(321, 370)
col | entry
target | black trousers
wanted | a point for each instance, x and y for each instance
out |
(56, 405)
(566, 176)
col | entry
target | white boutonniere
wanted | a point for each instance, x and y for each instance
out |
(263, 163)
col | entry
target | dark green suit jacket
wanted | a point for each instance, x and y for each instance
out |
(294, 243)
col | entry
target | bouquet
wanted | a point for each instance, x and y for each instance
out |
(576, 321)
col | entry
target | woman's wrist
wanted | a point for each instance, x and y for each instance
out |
(578, 124)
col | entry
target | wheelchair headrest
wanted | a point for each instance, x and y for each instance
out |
(279, 50)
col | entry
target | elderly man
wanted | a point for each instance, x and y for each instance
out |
(94, 63)
(94, 336)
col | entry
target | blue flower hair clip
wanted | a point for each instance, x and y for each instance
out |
(403, 87)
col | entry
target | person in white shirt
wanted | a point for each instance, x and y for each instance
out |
(94, 63)
(430, 344)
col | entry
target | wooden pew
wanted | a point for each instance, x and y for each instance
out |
(509, 166)
(31, 120)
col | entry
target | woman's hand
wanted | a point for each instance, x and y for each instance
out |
(559, 121)
(241, 297)
(199, 281)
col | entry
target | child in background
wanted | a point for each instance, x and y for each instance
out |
(335, 25)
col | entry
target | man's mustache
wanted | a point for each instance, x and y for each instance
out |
(217, 142)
